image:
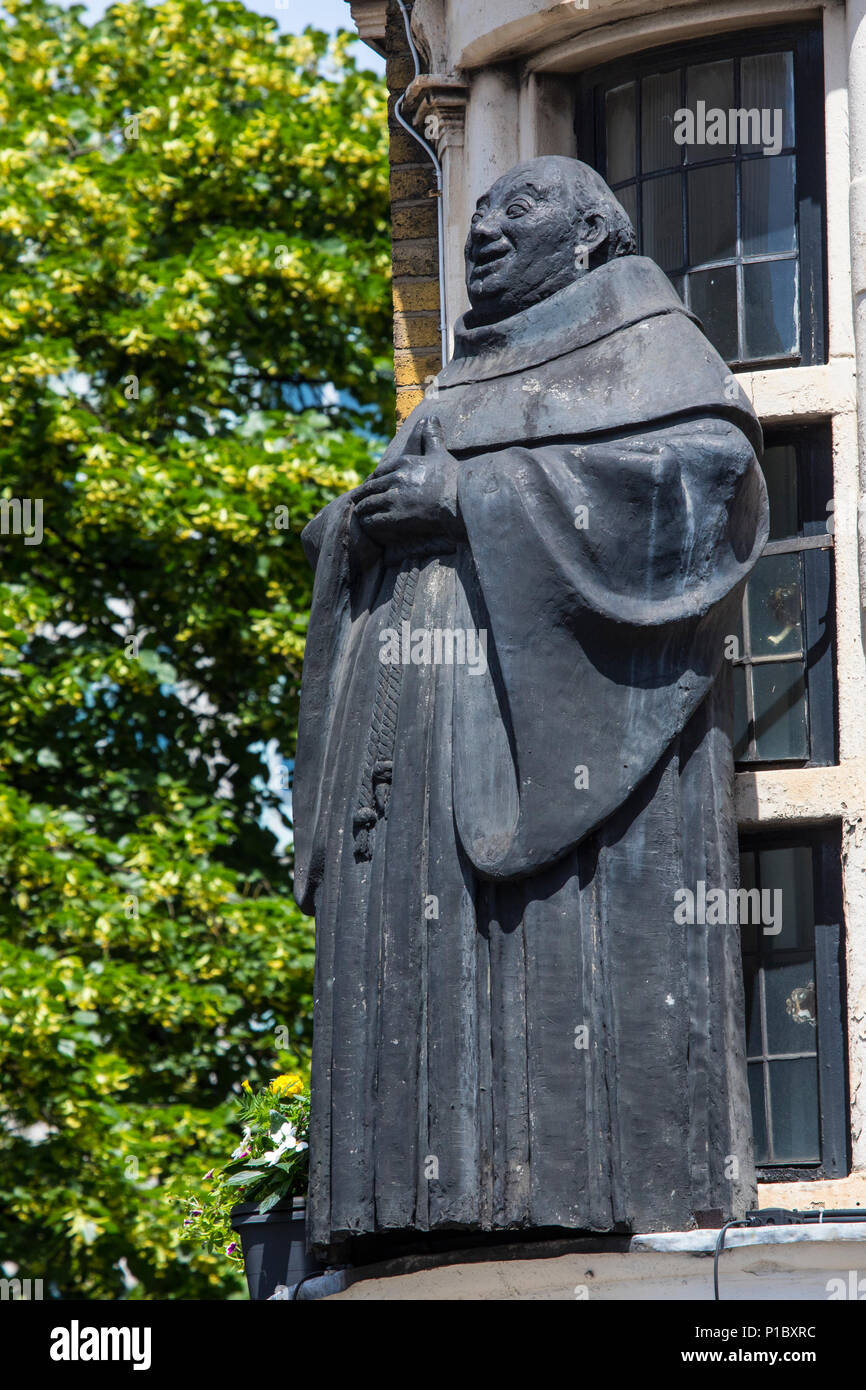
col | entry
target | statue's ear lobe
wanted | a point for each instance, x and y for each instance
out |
(596, 229)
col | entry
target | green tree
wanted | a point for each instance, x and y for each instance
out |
(194, 330)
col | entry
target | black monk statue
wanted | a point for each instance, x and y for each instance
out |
(515, 750)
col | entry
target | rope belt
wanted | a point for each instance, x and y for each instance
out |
(375, 790)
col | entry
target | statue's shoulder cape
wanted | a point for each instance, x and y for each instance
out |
(615, 351)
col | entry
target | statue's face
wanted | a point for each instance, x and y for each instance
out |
(529, 238)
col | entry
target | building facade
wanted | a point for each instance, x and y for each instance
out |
(735, 135)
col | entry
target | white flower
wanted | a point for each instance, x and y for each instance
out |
(286, 1141)
(243, 1147)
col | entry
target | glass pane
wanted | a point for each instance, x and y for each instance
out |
(794, 1111)
(679, 284)
(768, 206)
(713, 85)
(791, 1013)
(741, 715)
(748, 929)
(780, 711)
(780, 471)
(660, 99)
(621, 128)
(628, 198)
(714, 300)
(663, 221)
(759, 1121)
(752, 982)
(790, 871)
(775, 606)
(712, 214)
(767, 85)
(770, 295)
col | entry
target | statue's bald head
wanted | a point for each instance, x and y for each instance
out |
(540, 227)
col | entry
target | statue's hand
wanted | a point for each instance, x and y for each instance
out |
(416, 494)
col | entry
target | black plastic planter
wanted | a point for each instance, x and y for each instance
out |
(274, 1245)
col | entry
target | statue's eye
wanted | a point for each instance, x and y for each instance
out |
(476, 218)
(516, 209)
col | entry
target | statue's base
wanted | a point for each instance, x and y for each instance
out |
(805, 1262)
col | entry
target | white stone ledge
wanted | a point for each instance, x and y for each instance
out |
(704, 1242)
(802, 393)
(807, 794)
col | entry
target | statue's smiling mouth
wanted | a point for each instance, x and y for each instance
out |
(489, 255)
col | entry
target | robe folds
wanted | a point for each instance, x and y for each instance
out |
(510, 1030)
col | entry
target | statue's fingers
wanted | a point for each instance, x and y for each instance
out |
(377, 482)
(374, 505)
(414, 443)
(365, 505)
(431, 435)
(384, 470)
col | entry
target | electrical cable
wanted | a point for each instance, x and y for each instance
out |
(720, 1245)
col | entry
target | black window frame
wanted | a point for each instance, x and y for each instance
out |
(813, 444)
(831, 1000)
(806, 42)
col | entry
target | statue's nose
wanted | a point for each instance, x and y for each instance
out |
(488, 229)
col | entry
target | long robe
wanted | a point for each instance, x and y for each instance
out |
(511, 1030)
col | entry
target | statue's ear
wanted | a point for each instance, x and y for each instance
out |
(594, 230)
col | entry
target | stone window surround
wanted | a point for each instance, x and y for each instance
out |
(520, 104)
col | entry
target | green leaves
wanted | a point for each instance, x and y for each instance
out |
(244, 1176)
(194, 358)
(267, 1203)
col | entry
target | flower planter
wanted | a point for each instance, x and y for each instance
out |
(274, 1245)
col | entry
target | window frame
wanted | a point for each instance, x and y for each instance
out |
(825, 843)
(813, 444)
(806, 42)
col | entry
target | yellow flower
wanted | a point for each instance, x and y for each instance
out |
(287, 1085)
(247, 1087)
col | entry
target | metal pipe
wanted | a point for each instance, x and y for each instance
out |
(781, 1216)
(429, 150)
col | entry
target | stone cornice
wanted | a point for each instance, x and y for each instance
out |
(369, 18)
(436, 106)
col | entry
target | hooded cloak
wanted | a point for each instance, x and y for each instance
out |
(510, 1029)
